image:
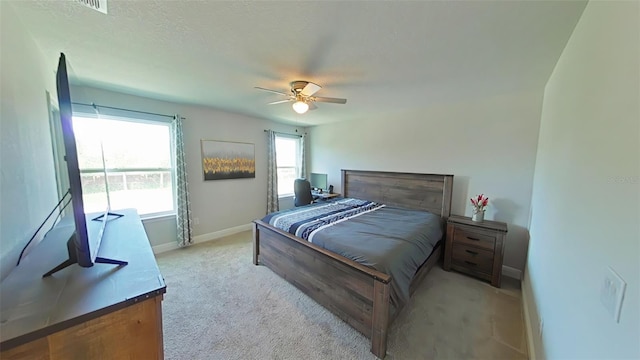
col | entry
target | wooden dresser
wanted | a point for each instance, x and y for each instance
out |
(101, 312)
(475, 248)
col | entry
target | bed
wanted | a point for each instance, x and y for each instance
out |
(358, 294)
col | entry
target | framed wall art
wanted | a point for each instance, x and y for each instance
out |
(223, 160)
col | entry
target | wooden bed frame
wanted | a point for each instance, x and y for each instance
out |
(357, 294)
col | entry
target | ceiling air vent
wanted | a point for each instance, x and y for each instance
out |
(98, 5)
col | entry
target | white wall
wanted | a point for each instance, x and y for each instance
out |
(27, 179)
(219, 204)
(586, 197)
(488, 144)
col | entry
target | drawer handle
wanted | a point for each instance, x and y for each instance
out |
(471, 252)
(471, 263)
(472, 238)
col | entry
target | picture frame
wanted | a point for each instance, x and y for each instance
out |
(223, 160)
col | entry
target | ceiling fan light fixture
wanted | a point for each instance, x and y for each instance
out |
(300, 107)
(302, 94)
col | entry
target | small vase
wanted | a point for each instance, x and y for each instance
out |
(478, 216)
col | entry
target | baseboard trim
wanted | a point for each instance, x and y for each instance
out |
(512, 272)
(527, 321)
(158, 249)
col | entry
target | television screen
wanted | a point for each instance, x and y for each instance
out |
(81, 235)
(318, 181)
(82, 246)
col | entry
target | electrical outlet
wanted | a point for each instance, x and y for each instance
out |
(612, 293)
(196, 221)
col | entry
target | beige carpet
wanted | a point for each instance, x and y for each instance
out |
(220, 306)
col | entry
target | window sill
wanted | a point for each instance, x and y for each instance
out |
(156, 218)
(286, 196)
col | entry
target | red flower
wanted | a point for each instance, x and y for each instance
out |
(479, 202)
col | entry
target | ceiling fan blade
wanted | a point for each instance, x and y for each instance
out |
(330, 100)
(279, 102)
(312, 106)
(273, 91)
(310, 89)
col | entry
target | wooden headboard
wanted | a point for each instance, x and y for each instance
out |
(430, 192)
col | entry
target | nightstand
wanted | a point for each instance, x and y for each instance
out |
(475, 248)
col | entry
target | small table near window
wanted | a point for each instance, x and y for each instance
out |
(325, 196)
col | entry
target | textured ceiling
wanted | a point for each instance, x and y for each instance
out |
(384, 57)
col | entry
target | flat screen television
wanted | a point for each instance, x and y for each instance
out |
(318, 181)
(83, 245)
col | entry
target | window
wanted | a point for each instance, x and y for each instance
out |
(289, 160)
(136, 157)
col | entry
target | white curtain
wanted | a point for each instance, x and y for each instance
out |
(183, 210)
(303, 158)
(272, 173)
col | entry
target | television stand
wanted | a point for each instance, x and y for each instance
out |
(73, 259)
(71, 248)
(108, 213)
(101, 260)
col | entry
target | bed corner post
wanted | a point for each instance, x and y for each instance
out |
(256, 244)
(380, 321)
(447, 190)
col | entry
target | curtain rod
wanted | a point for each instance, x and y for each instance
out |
(94, 105)
(284, 133)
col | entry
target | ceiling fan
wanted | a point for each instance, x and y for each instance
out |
(302, 96)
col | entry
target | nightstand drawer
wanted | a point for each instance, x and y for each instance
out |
(473, 258)
(461, 236)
